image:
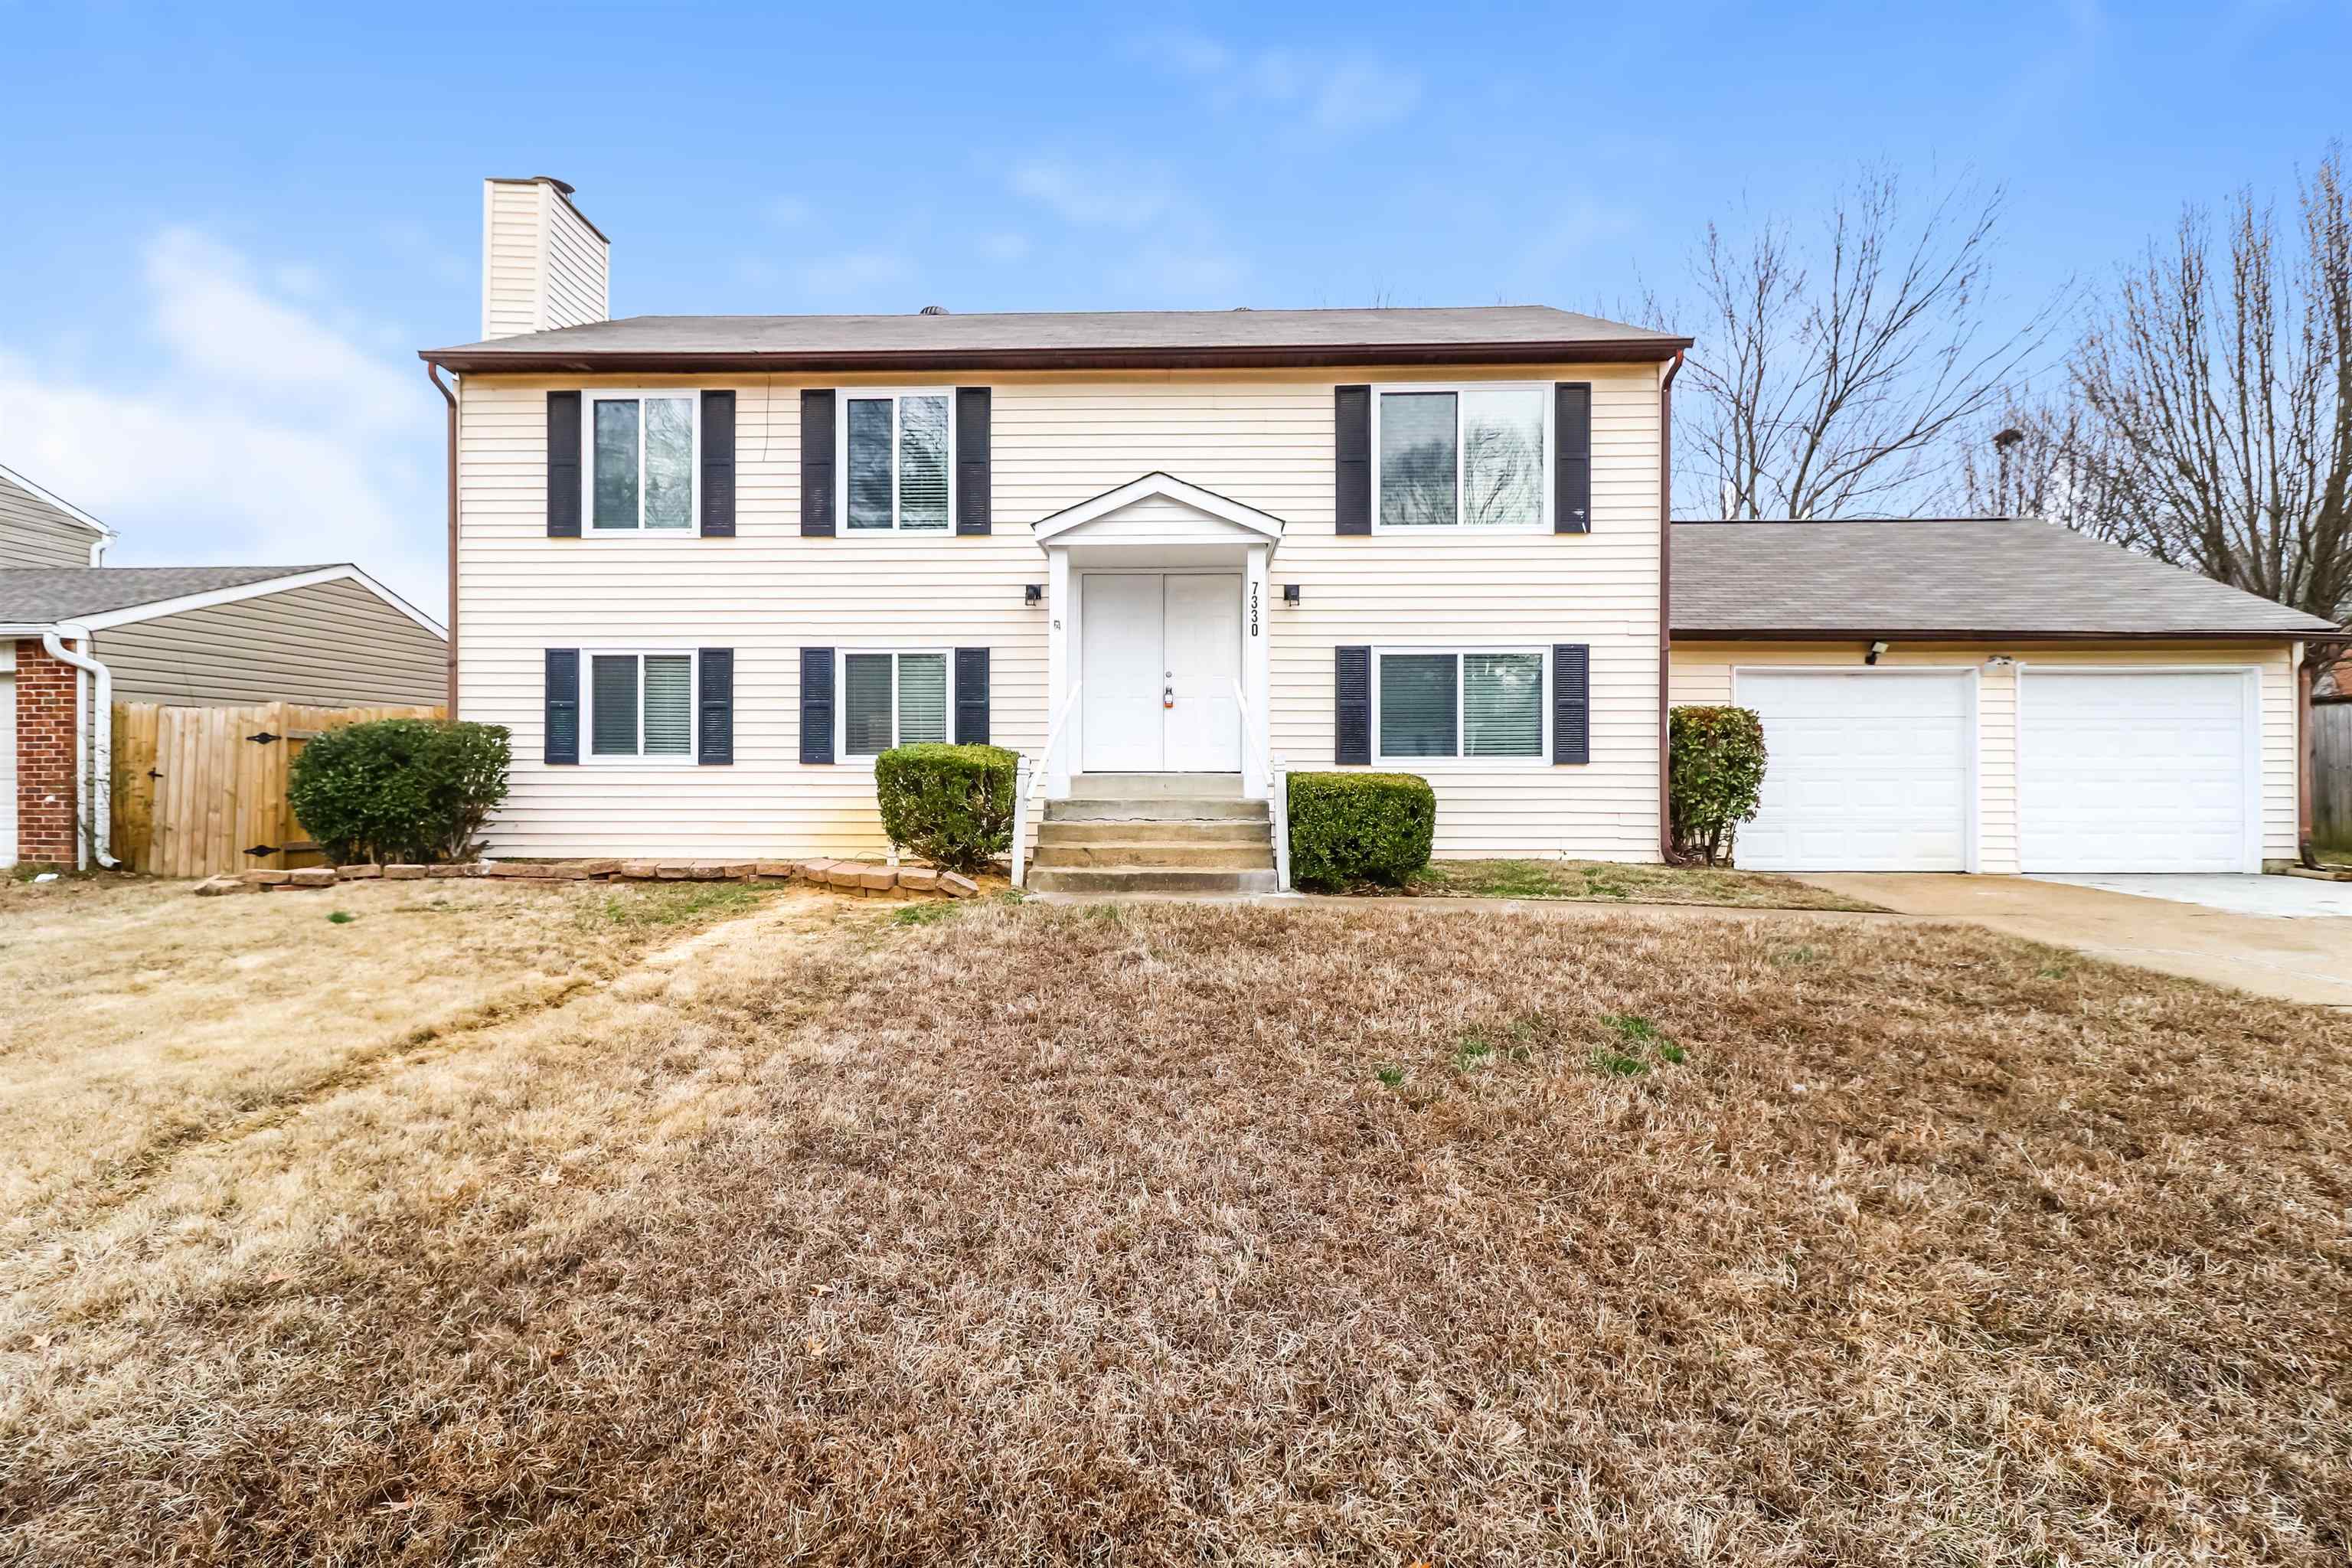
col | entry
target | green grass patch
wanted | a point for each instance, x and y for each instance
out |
(1392, 1077)
(1617, 1064)
(676, 904)
(342, 918)
(923, 914)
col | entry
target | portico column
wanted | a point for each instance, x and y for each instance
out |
(1061, 612)
(1257, 637)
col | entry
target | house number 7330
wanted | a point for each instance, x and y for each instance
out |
(1254, 593)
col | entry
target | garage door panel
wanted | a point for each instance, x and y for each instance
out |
(1867, 772)
(2133, 771)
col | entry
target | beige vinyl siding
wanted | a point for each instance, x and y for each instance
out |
(35, 533)
(1702, 673)
(1264, 439)
(513, 219)
(576, 262)
(330, 643)
(542, 266)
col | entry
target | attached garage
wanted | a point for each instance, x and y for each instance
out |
(1995, 695)
(2138, 770)
(1871, 770)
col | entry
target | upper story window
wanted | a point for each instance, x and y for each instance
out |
(897, 451)
(1466, 456)
(641, 462)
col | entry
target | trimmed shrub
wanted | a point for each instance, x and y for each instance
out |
(1716, 778)
(399, 789)
(1360, 827)
(950, 804)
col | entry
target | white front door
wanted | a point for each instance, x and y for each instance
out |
(1159, 654)
(1868, 771)
(2134, 770)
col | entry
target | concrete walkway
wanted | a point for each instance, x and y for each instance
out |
(2305, 959)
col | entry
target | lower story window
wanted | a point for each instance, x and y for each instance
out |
(892, 699)
(1462, 704)
(641, 705)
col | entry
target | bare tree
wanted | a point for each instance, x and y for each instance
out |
(2043, 458)
(2219, 407)
(1836, 382)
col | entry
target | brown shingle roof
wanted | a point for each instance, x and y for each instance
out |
(1960, 577)
(1089, 339)
(42, 596)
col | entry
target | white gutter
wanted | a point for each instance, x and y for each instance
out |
(98, 740)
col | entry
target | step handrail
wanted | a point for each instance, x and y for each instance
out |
(1028, 780)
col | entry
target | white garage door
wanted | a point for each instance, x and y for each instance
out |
(1869, 771)
(2134, 771)
(8, 768)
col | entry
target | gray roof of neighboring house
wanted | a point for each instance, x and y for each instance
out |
(1470, 334)
(1948, 577)
(45, 596)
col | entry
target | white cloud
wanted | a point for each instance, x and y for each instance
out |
(254, 431)
(1335, 94)
(853, 272)
(1093, 197)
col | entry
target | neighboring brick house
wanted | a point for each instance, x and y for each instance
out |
(75, 639)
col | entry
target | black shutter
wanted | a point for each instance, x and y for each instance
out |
(1351, 457)
(562, 465)
(717, 465)
(1572, 702)
(562, 732)
(972, 696)
(1571, 420)
(715, 723)
(972, 484)
(1351, 699)
(816, 704)
(816, 467)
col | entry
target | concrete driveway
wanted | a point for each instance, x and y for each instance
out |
(2303, 953)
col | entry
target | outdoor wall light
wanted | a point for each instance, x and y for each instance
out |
(1290, 593)
(1033, 593)
(1875, 649)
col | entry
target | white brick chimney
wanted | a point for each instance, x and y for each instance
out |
(543, 265)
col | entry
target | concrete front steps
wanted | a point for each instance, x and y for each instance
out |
(1154, 833)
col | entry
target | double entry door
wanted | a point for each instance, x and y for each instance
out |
(1158, 655)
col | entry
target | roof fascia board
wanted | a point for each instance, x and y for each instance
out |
(58, 502)
(471, 362)
(157, 608)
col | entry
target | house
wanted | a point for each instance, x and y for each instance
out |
(708, 567)
(77, 637)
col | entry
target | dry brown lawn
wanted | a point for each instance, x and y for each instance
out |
(1178, 1234)
(1609, 881)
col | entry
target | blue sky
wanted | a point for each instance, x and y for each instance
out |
(227, 238)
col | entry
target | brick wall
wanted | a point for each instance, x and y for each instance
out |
(45, 756)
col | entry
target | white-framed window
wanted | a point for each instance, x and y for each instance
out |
(1470, 705)
(644, 450)
(1473, 456)
(892, 697)
(895, 453)
(640, 705)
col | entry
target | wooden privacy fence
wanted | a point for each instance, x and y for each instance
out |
(2331, 769)
(202, 791)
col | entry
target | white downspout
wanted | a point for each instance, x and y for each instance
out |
(98, 739)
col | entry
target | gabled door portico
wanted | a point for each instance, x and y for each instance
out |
(1157, 653)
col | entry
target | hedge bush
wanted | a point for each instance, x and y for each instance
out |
(399, 789)
(1360, 827)
(1715, 779)
(950, 804)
